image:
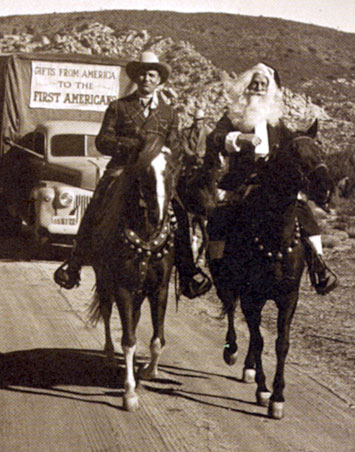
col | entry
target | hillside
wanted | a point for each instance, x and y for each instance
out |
(314, 61)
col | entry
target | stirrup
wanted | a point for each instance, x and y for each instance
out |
(326, 284)
(194, 288)
(66, 277)
(324, 280)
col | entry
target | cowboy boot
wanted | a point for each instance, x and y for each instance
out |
(193, 281)
(323, 279)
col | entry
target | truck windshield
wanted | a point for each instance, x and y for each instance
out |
(74, 145)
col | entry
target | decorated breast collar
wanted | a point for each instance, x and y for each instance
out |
(156, 247)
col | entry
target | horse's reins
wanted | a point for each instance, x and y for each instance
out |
(305, 175)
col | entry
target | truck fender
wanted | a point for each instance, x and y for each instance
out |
(43, 198)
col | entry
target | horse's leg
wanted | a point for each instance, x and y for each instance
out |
(106, 310)
(158, 303)
(203, 247)
(129, 320)
(194, 239)
(286, 306)
(249, 366)
(230, 352)
(252, 312)
(229, 300)
(102, 307)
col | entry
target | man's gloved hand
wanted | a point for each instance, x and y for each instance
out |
(248, 139)
(129, 144)
(234, 141)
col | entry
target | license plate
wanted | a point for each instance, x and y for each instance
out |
(67, 220)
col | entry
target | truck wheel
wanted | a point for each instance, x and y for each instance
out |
(41, 248)
(9, 226)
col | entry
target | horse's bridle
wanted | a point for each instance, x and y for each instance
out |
(305, 176)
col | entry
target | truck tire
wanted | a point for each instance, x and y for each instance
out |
(9, 226)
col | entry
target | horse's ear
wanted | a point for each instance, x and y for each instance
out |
(312, 131)
(286, 132)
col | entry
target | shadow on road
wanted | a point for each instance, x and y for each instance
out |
(46, 371)
(46, 368)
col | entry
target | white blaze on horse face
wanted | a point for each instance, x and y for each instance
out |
(159, 165)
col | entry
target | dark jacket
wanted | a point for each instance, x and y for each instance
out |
(194, 141)
(124, 127)
(241, 164)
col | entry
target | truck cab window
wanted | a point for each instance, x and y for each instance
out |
(68, 145)
(73, 145)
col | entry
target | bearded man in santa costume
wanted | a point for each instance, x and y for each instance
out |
(247, 135)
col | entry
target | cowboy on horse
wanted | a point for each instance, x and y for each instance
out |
(249, 134)
(126, 124)
(193, 138)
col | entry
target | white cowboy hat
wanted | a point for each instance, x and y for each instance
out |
(199, 113)
(148, 60)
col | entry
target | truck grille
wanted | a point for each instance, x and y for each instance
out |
(81, 203)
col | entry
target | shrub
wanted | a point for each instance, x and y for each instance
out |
(351, 232)
(345, 208)
(341, 164)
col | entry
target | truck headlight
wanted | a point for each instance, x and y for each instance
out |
(46, 194)
(65, 198)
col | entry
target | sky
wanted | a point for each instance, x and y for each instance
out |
(338, 14)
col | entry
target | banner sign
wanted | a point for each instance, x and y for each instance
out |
(74, 86)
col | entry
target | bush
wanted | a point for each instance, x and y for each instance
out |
(341, 164)
(351, 232)
(345, 208)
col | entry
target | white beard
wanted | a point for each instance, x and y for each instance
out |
(249, 110)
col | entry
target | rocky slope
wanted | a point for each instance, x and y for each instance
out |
(195, 80)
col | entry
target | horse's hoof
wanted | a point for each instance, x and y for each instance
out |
(130, 402)
(249, 375)
(144, 373)
(276, 410)
(230, 355)
(263, 398)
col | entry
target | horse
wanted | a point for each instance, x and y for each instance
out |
(264, 256)
(197, 189)
(137, 260)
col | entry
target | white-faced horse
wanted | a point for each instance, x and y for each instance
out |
(137, 262)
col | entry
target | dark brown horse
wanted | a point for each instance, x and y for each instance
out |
(198, 192)
(264, 256)
(137, 262)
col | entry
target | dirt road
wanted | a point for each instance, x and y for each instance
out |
(57, 393)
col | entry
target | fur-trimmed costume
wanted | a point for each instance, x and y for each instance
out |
(242, 165)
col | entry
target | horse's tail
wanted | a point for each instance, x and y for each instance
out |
(94, 311)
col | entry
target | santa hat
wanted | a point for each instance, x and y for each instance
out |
(236, 86)
(272, 72)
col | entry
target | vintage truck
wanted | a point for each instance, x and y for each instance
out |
(51, 108)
